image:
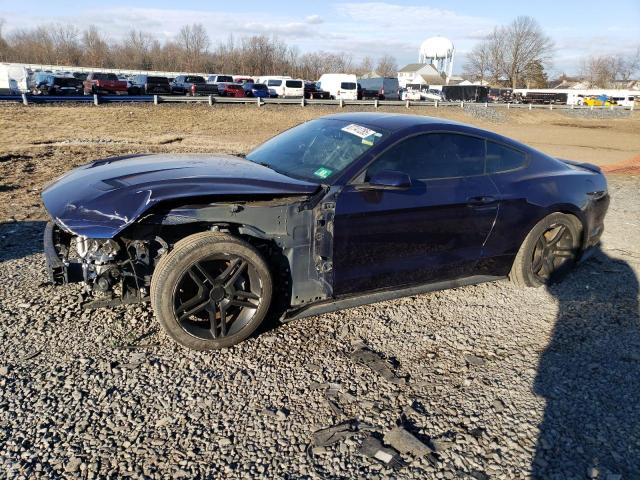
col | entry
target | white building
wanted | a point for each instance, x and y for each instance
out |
(419, 74)
(434, 67)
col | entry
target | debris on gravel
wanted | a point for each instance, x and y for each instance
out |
(502, 382)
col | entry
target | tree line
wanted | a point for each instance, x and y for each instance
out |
(520, 54)
(190, 51)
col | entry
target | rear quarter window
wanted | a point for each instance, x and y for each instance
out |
(501, 158)
(274, 83)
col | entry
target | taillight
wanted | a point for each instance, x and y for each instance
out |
(193, 88)
(381, 92)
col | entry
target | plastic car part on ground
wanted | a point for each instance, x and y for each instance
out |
(377, 363)
(405, 442)
(373, 448)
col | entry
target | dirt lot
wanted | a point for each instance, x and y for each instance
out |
(499, 382)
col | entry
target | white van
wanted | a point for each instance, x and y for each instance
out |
(339, 85)
(284, 86)
(13, 79)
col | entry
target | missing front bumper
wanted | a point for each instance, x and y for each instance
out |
(60, 271)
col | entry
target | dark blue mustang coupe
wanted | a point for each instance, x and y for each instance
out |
(337, 212)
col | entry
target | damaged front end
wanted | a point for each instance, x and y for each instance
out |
(115, 271)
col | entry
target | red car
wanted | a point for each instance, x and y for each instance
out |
(231, 90)
(97, 82)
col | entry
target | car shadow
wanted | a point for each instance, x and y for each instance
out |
(20, 239)
(589, 376)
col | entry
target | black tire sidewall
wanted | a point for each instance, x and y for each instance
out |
(528, 247)
(171, 268)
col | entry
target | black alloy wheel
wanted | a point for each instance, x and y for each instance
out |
(548, 252)
(211, 291)
(217, 296)
(553, 251)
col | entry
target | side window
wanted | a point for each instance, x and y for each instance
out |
(502, 159)
(434, 155)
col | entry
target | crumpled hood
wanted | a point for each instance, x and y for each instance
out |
(100, 199)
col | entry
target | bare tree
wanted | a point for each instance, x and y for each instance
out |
(135, 51)
(66, 44)
(510, 52)
(478, 65)
(4, 46)
(524, 42)
(627, 66)
(599, 71)
(387, 66)
(194, 41)
(95, 48)
(365, 66)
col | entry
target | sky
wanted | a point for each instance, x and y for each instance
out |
(396, 27)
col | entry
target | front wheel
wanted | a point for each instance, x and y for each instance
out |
(550, 249)
(211, 291)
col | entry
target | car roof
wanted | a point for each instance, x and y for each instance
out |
(392, 121)
(395, 122)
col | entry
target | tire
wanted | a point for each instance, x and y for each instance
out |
(548, 252)
(208, 256)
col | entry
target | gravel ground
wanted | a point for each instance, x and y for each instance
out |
(494, 382)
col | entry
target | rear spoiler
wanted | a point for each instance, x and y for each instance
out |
(585, 165)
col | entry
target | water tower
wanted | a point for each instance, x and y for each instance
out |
(438, 51)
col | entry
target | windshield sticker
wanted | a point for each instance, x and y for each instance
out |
(322, 172)
(360, 131)
(367, 142)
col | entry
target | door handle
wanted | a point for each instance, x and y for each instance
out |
(481, 201)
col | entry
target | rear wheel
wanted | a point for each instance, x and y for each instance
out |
(211, 291)
(548, 252)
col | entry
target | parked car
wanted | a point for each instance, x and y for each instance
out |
(49, 84)
(284, 86)
(410, 94)
(231, 90)
(598, 101)
(243, 80)
(219, 80)
(312, 91)
(149, 85)
(387, 87)
(192, 85)
(106, 83)
(256, 90)
(367, 94)
(340, 211)
(431, 95)
(339, 85)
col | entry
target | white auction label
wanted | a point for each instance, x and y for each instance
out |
(358, 130)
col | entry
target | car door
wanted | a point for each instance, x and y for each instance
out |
(432, 231)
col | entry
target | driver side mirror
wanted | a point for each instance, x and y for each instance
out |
(388, 180)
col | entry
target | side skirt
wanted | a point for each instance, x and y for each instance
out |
(352, 301)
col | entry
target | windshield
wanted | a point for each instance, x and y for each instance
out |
(65, 81)
(224, 78)
(318, 150)
(162, 80)
(105, 76)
